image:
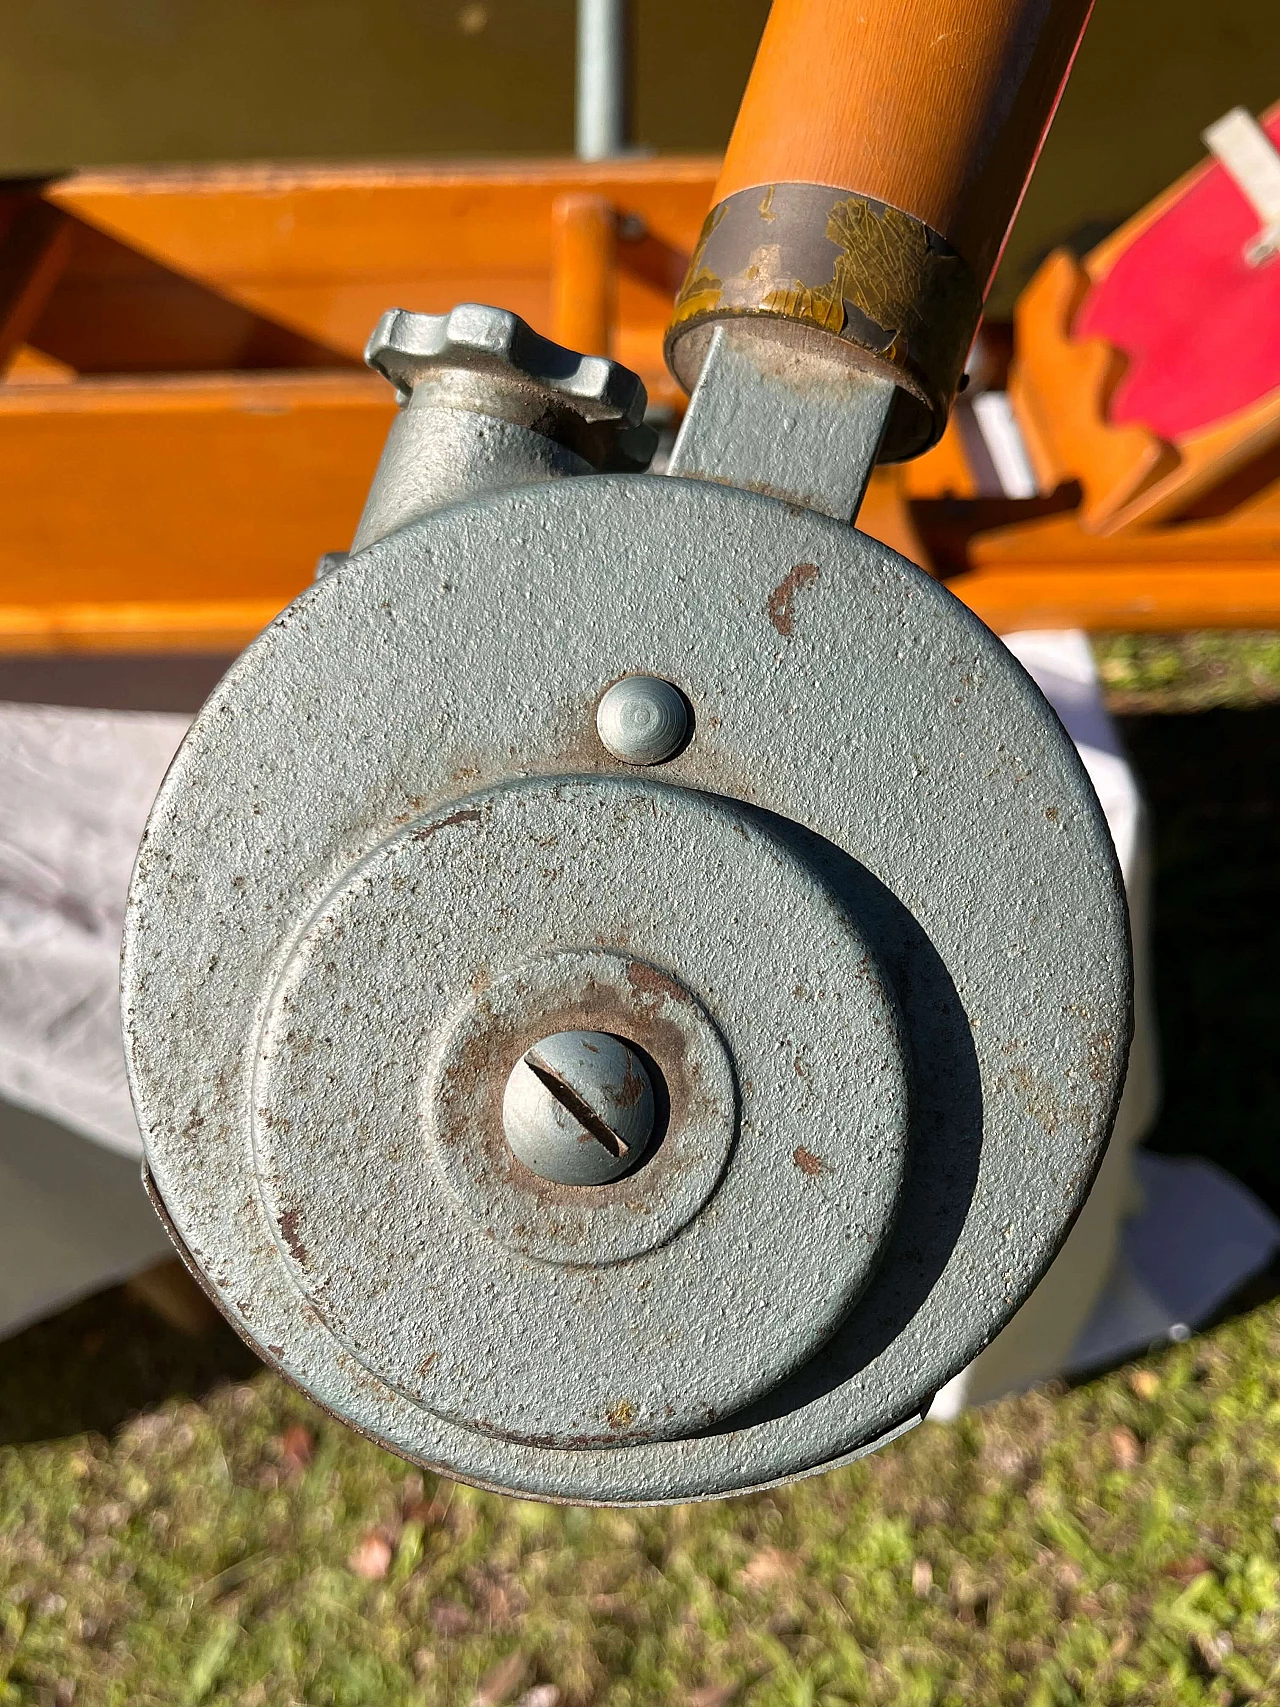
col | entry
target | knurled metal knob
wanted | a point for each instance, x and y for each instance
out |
(494, 362)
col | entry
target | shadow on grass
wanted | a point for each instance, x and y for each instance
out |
(100, 1362)
(1212, 781)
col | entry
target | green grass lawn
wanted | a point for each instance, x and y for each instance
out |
(178, 1527)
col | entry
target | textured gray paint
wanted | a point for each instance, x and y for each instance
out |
(488, 403)
(890, 869)
(785, 411)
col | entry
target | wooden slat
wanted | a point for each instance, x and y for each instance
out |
(191, 488)
(33, 255)
(114, 310)
(1223, 573)
(212, 625)
(325, 249)
(306, 223)
(583, 271)
(1163, 597)
(1250, 534)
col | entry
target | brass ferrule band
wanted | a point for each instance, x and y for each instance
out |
(867, 273)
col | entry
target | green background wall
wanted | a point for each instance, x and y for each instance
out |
(111, 81)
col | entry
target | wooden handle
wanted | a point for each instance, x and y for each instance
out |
(937, 107)
(880, 154)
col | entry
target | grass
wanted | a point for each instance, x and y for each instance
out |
(177, 1526)
(1115, 1543)
(1189, 672)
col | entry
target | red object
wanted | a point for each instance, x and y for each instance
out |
(1200, 326)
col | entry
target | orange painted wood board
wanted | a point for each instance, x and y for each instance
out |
(191, 487)
(1157, 598)
(326, 249)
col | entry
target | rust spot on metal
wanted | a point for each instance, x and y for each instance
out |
(808, 1163)
(467, 815)
(289, 1233)
(473, 1085)
(780, 605)
(647, 980)
(1100, 1053)
(621, 1415)
(425, 1367)
(632, 1088)
(555, 1442)
(1051, 813)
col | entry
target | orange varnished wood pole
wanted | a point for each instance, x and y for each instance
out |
(879, 156)
(937, 107)
(582, 273)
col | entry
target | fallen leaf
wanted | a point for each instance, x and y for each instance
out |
(714, 1695)
(415, 1507)
(769, 1565)
(450, 1619)
(429, 1513)
(921, 1578)
(501, 1683)
(970, 1597)
(1188, 1569)
(371, 1557)
(1145, 1383)
(497, 1595)
(1213, 1650)
(1126, 1448)
(297, 1447)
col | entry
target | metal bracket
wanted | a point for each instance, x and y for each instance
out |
(779, 412)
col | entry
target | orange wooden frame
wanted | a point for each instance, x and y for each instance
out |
(185, 424)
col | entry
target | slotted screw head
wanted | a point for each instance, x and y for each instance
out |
(578, 1108)
(642, 720)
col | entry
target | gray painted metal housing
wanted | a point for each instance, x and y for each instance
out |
(867, 922)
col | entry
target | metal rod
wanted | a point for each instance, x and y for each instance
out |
(601, 129)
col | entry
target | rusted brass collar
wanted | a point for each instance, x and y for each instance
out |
(879, 280)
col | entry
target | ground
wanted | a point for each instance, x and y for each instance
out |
(177, 1526)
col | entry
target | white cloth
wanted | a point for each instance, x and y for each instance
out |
(73, 1218)
(75, 788)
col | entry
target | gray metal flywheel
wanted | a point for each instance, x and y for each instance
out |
(625, 981)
